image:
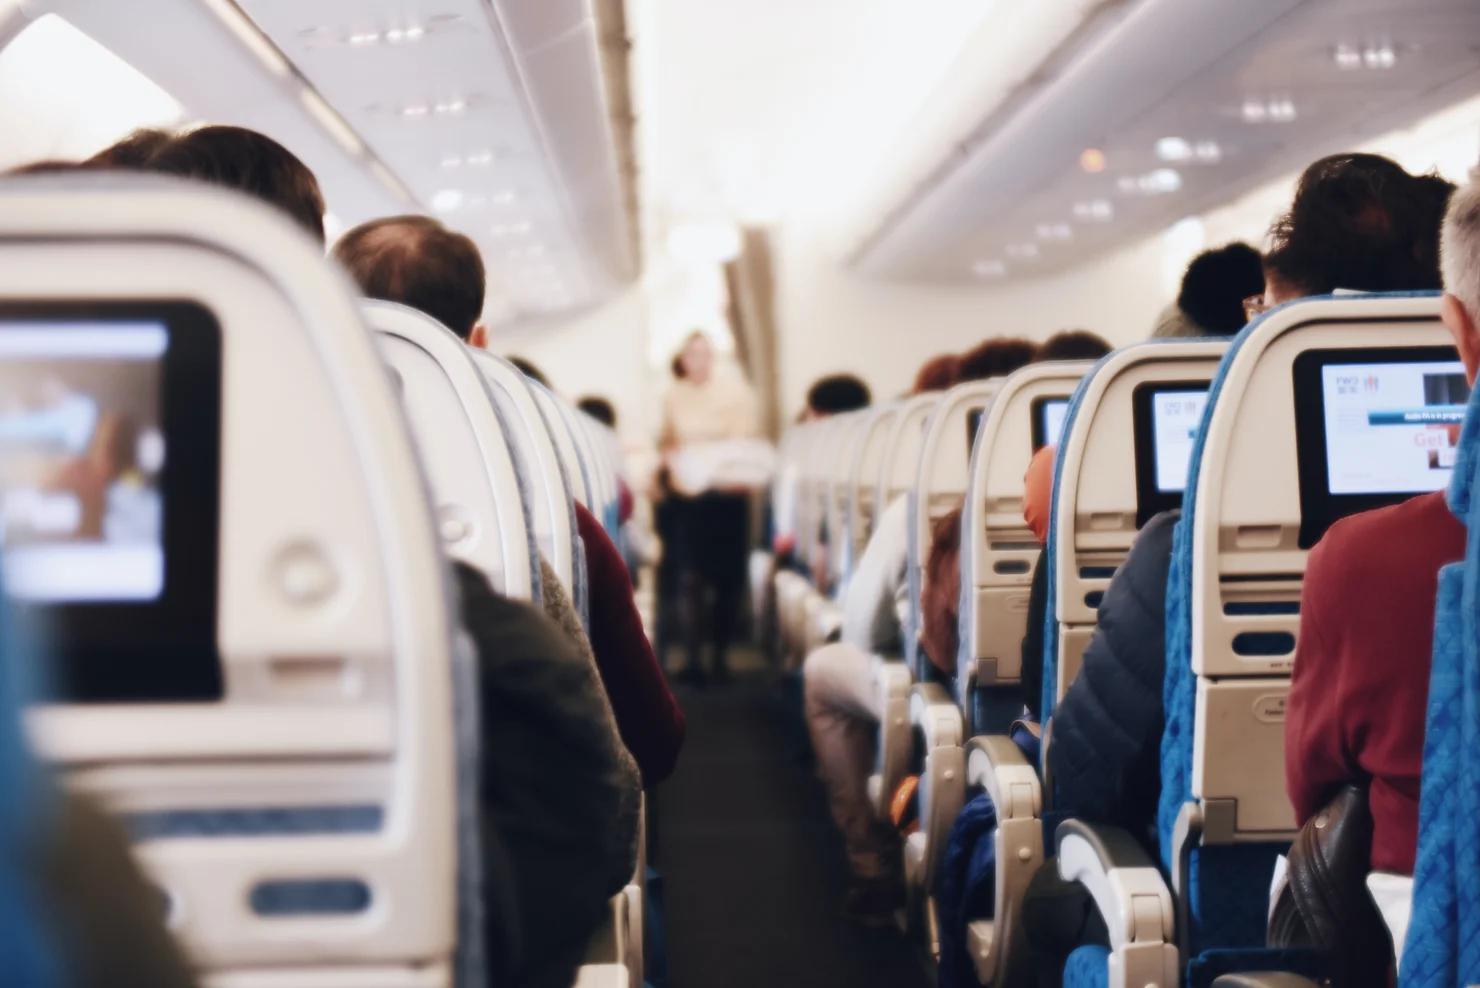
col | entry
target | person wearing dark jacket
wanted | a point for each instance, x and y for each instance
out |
(550, 791)
(1106, 753)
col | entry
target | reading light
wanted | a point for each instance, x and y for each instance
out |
(1207, 152)
(1346, 58)
(989, 269)
(1092, 160)
(1100, 210)
(1055, 231)
(447, 200)
(1173, 149)
(1022, 251)
(1379, 57)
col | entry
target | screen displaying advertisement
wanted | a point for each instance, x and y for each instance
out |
(1175, 418)
(1392, 428)
(82, 451)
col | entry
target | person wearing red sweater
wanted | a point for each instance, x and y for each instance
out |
(1359, 692)
(648, 717)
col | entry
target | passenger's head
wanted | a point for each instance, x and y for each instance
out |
(530, 371)
(1073, 344)
(1215, 286)
(417, 261)
(936, 374)
(995, 358)
(1358, 221)
(133, 152)
(249, 162)
(1461, 261)
(697, 358)
(835, 394)
(599, 409)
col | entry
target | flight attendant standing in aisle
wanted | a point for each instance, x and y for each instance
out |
(710, 533)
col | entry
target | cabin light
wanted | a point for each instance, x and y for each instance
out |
(1100, 210)
(447, 200)
(533, 250)
(480, 159)
(504, 197)
(1161, 181)
(363, 39)
(1379, 57)
(1273, 111)
(1173, 149)
(450, 107)
(1055, 231)
(451, 161)
(986, 268)
(415, 110)
(478, 200)
(1207, 152)
(510, 229)
(1346, 58)
(415, 33)
(1092, 160)
(1022, 251)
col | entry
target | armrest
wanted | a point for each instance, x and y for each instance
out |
(1263, 979)
(996, 764)
(1129, 892)
(891, 677)
(1122, 879)
(608, 943)
(933, 710)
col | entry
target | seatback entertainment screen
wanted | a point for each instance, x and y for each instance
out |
(110, 472)
(1166, 416)
(1373, 427)
(1048, 421)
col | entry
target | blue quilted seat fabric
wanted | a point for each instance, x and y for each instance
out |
(1088, 967)
(24, 945)
(1443, 945)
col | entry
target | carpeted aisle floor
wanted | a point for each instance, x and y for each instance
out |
(754, 870)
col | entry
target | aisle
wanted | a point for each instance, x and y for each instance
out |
(754, 870)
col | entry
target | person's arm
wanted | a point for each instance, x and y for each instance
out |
(648, 717)
(941, 595)
(869, 609)
(1107, 729)
(1038, 492)
(1316, 760)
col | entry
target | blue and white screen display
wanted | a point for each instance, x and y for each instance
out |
(1175, 417)
(1392, 428)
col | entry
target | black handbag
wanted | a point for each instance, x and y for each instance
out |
(1325, 905)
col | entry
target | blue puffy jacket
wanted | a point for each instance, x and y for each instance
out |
(1106, 750)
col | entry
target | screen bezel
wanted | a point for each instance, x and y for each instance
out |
(1319, 508)
(1036, 411)
(163, 650)
(974, 418)
(1151, 500)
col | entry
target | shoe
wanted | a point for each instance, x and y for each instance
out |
(873, 903)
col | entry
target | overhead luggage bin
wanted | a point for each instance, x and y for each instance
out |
(260, 680)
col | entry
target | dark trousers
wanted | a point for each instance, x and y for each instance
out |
(711, 547)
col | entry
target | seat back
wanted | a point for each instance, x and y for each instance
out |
(998, 551)
(940, 487)
(579, 474)
(900, 463)
(1442, 908)
(1266, 478)
(269, 680)
(601, 453)
(852, 427)
(1122, 459)
(821, 464)
(553, 504)
(863, 506)
(482, 514)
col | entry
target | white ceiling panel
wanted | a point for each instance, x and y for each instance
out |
(1260, 81)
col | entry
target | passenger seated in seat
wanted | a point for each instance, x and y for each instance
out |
(1360, 222)
(828, 396)
(241, 159)
(1359, 691)
(1214, 288)
(842, 705)
(416, 261)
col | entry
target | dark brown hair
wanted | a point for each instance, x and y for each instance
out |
(417, 261)
(996, 357)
